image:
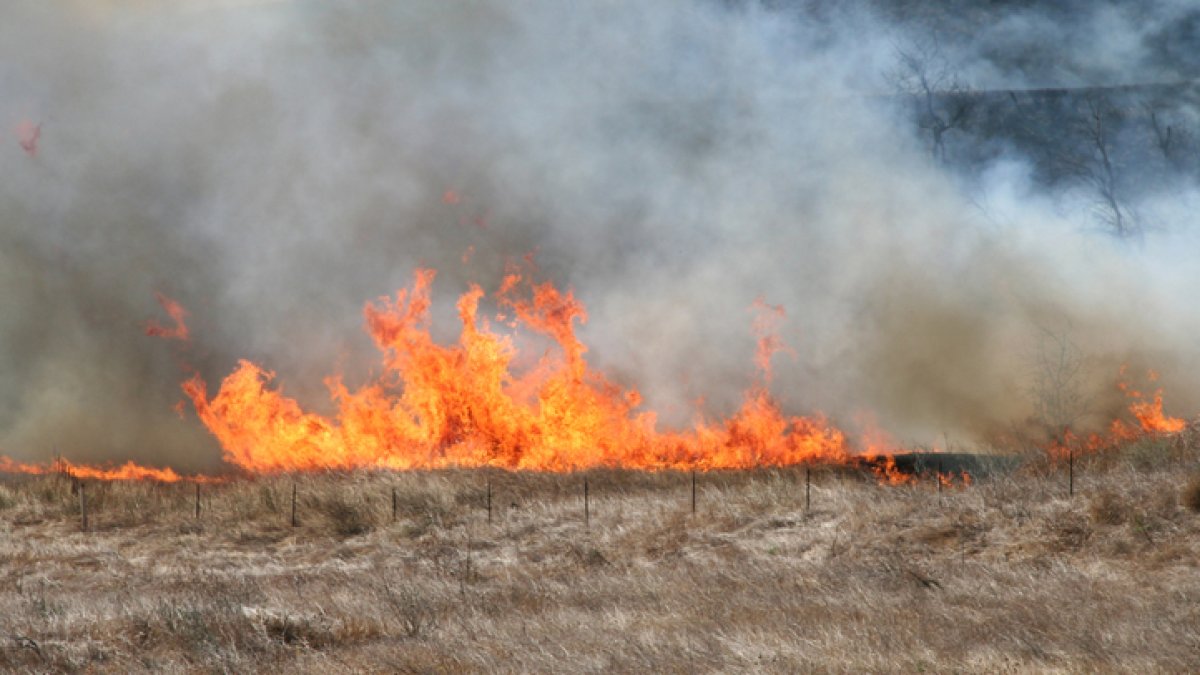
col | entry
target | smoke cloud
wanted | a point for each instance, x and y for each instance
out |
(273, 165)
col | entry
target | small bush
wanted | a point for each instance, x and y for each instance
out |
(1107, 508)
(415, 614)
(347, 519)
(1068, 531)
(1191, 493)
(292, 630)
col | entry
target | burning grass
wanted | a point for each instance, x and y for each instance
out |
(1006, 573)
(479, 402)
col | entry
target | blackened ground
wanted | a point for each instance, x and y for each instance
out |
(922, 463)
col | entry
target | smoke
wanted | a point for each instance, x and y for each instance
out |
(273, 165)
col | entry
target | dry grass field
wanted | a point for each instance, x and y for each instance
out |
(1006, 575)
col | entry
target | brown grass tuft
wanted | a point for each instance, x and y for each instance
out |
(1191, 493)
(1108, 508)
(347, 517)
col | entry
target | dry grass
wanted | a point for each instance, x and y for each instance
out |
(1008, 575)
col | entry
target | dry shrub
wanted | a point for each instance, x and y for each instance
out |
(1164, 504)
(347, 518)
(1191, 493)
(296, 630)
(587, 555)
(1107, 508)
(1068, 531)
(416, 614)
(320, 632)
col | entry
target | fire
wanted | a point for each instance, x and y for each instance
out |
(479, 402)
(947, 479)
(1149, 413)
(888, 473)
(127, 471)
(179, 331)
(465, 404)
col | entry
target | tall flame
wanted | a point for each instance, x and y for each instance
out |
(463, 404)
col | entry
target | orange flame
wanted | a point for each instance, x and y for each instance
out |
(127, 471)
(1149, 413)
(888, 473)
(947, 479)
(179, 331)
(766, 330)
(464, 404)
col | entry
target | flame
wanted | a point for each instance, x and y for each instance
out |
(179, 331)
(127, 471)
(1149, 413)
(465, 404)
(884, 467)
(766, 331)
(130, 470)
(947, 479)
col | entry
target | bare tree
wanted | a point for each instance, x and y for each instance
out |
(1092, 160)
(943, 102)
(1171, 134)
(1057, 381)
(1164, 135)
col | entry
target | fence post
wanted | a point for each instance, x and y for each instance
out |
(807, 488)
(293, 504)
(1070, 471)
(489, 499)
(83, 506)
(197, 500)
(587, 516)
(693, 490)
